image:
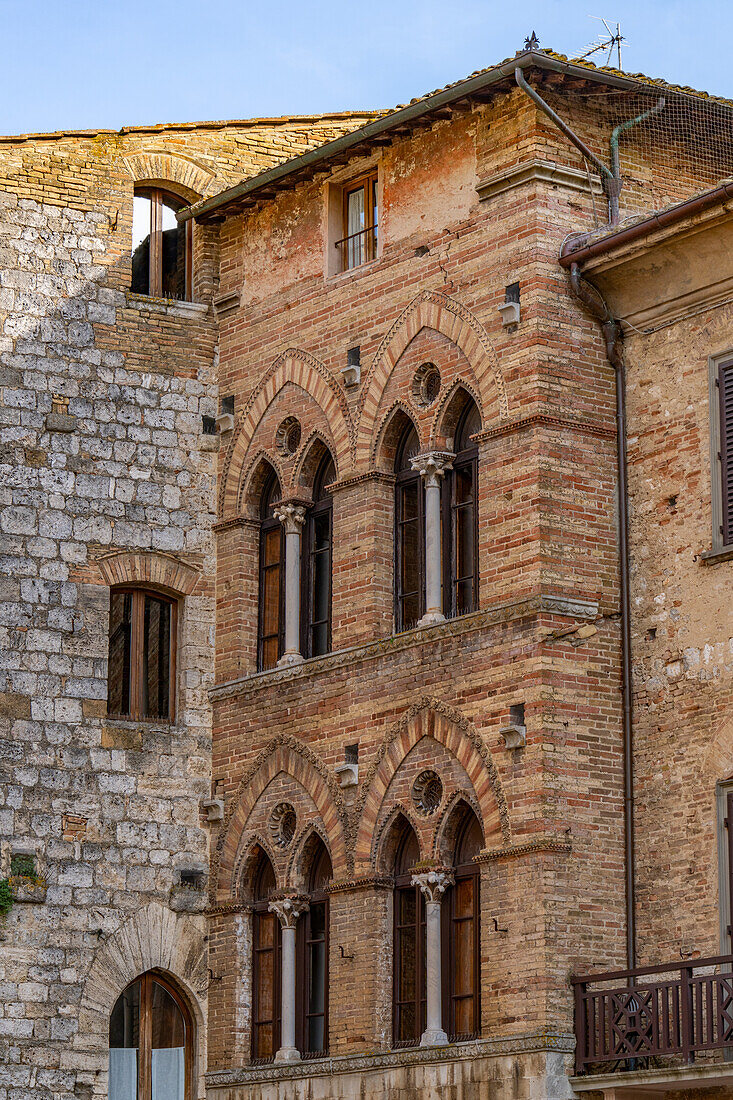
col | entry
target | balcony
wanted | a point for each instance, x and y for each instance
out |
(661, 1027)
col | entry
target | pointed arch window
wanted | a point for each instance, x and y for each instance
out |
(409, 974)
(151, 1048)
(461, 935)
(161, 248)
(317, 562)
(460, 519)
(312, 959)
(266, 965)
(271, 618)
(409, 534)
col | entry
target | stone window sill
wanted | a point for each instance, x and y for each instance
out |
(173, 307)
(121, 733)
(713, 557)
(350, 272)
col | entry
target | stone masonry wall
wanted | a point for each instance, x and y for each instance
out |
(105, 477)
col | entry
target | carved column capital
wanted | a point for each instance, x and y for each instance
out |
(288, 907)
(432, 466)
(434, 882)
(291, 516)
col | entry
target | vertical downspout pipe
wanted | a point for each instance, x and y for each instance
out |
(615, 161)
(612, 336)
(609, 184)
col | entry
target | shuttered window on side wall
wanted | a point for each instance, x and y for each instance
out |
(725, 389)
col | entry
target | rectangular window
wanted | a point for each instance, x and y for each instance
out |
(360, 223)
(410, 1007)
(141, 670)
(271, 619)
(266, 981)
(725, 452)
(724, 796)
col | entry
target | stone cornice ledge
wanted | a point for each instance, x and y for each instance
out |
(543, 171)
(464, 624)
(533, 1042)
(526, 848)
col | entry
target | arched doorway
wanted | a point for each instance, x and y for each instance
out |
(150, 1042)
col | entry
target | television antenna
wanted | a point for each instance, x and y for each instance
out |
(609, 41)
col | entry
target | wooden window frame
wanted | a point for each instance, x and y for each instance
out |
(321, 507)
(465, 459)
(261, 911)
(137, 640)
(721, 443)
(157, 195)
(403, 478)
(268, 523)
(448, 953)
(369, 183)
(302, 966)
(145, 1048)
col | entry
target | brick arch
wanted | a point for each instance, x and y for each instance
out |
(141, 568)
(303, 370)
(431, 717)
(430, 309)
(385, 426)
(383, 835)
(253, 479)
(442, 829)
(152, 938)
(162, 166)
(437, 428)
(283, 754)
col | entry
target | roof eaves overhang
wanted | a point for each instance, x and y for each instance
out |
(580, 250)
(266, 184)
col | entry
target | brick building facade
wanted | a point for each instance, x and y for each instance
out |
(377, 819)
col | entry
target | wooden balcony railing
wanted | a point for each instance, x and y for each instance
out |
(624, 1018)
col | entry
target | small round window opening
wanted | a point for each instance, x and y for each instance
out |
(426, 385)
(427, 792)
(287, 439)
(282, 824)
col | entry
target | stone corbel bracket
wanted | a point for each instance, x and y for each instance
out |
(515, 736)
(347, 774)
(214, 808)
(226, 303)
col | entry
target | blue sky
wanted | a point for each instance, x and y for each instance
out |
(96, 63)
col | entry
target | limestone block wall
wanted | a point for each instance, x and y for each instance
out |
(106, 477)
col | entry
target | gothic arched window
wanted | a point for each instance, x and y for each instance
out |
(271, 619)
(460, 518)
(317, 560)
(409, 1005)
(409, 534)
(161, 248)
(266, 960)
(312, 959)
(150, 1043)
(461, 934)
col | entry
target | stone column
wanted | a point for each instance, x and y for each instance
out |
(432, 466)
(288, 909)
(433, 884)
(292, 517)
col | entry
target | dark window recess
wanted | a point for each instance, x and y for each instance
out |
(351, 754)
(461, 935)
(353, 357)
(271, 620)
(725, 387)
(266, 963)
(360, 223)
(191, 876)
(511, 292)
(227, 404)
(150, 1043)
(460, 519)
(316, 563)
(409, 1003)
(142, 646)
(161, 248)
(311, 963)
(516, 714)
(409, 535)
(208, 424)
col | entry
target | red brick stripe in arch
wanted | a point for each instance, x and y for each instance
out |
(289, 758)
(432, 718)
(305, 371)
(441, 313)
(140, 568)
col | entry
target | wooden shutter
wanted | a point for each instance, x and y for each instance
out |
(729, 830)
(725, 388)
